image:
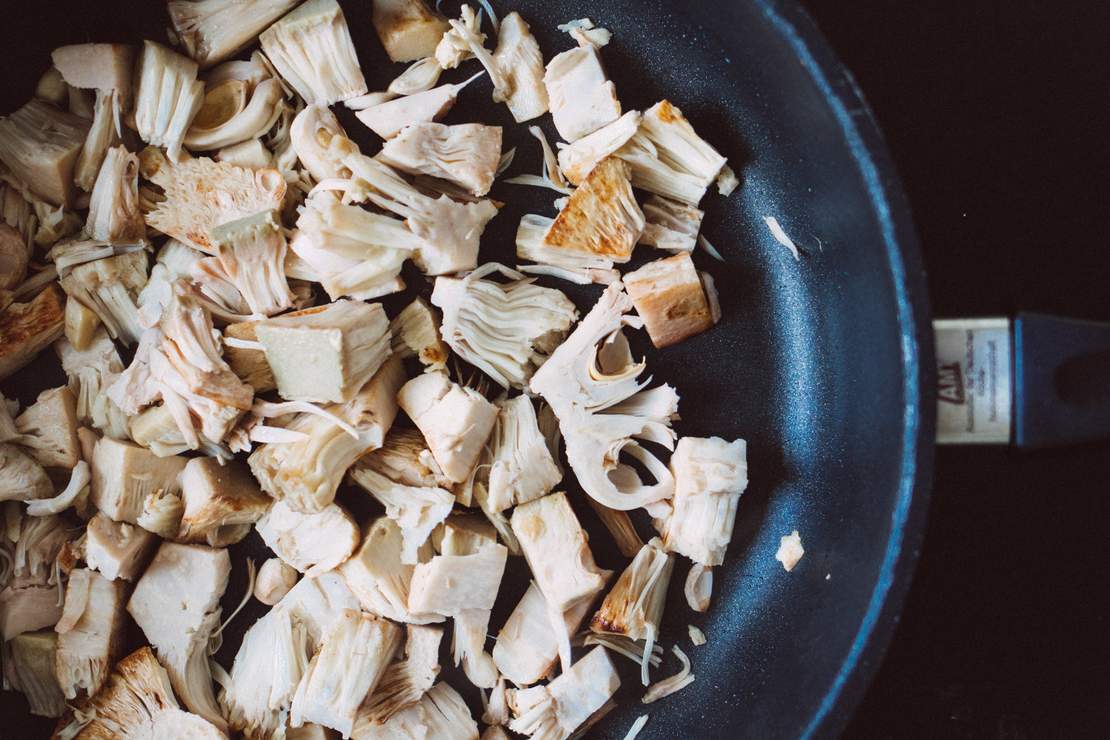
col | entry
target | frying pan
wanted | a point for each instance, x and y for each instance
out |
(818, 363)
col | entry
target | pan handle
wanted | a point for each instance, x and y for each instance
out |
(1033, 381)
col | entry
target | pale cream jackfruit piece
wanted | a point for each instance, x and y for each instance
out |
(110, 288)
(248, 364)
(137, 702)
(325, 353)
(602, 216)
(671, 224)
(668, 157)
(201, 194)
(175, 261)
(312, 132)
(449, 230)
(189, 367)
(311, 48)
(15, 255)
(592, 384)
(790, 550)
(419, 77)
(455, 421)
(251, 154)
(28, 606)
(634, 606)
(527, 648)
(376, 575)
(345, 671)
(229, 125)
(48, 429)
(105, 68)
(38, 541)
(176, 603)
(29, 669)
(466, 543)
(477, 326)
(562, 706)
(388, 118)
(466, 40)
(97, 67)
(522, 468)
(577, 160)
(404, 458)
(669, 297)
(450, 584)
(596, 442)
(580, 95)
(407, 679)
(91, 372)
(710, 475)
(352, 251)
(156, 429)
(520, 61)
(103, 134)
(415, 333)
(463, 534)
(28, 328)
(222, 501)
(22, 478)
(75, 494)
(408, 29)
(312, 543)
(277, 649)
(80, 324)
(90, 632)
(417, 510)
(117, 550)
(275, 578)
(40, 145)
(465, 154)
(214, 30)
(561, 263)
(125, 476)
(557, 551)
(30, 599)
(168, 96)
(308, 470)
(252, 253)
(441, 713)
(591, 367)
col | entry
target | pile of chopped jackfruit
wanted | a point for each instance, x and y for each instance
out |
(193, 234)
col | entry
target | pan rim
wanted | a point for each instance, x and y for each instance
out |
(862, 133)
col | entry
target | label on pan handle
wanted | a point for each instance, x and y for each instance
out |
(974, 380)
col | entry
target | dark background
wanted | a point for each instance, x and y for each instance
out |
(998, 118)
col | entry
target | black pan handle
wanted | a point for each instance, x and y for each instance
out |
(1033, 381)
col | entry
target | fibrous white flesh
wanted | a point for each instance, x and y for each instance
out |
(312, 49)
(177, 605)
(504, 329)
(308, 472)
(168, 95)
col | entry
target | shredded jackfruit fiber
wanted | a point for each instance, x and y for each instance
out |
(637, 726)
(781, 237)
(674, 683)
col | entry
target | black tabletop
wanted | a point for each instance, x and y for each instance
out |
(998, 118)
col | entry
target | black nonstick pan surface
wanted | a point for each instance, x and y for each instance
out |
(818, 363)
